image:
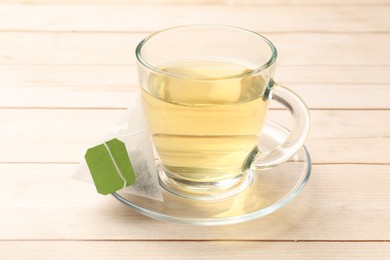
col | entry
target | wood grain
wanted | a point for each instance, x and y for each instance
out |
(192, 250)
(67, 72)
(63, 135)
(352, 199)
(72, 86)
(199, 2)
(118, 49)
(264, 19)
(106, 76)
(118, 96)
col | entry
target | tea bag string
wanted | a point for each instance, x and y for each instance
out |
(112, 157)
(116, 166)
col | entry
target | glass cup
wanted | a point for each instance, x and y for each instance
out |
(206, 90)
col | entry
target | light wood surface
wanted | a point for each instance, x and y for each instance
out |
(67, 72)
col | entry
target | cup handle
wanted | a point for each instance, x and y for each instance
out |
(295, 141)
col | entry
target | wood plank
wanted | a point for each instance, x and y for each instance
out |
(202, 2)
(316, 96)
(60, 48)
(126, 76)
(63, 135)
(59, 86)
(319, 96)
(336, 75)
(118, 48)
(190, 250)
(129, 18)
(370, 150)
(343, 213)
(41, 201)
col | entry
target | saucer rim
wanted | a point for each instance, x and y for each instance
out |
(289, 196)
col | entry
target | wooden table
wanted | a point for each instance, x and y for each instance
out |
(67, 70)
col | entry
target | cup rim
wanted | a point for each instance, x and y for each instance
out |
(256, 70)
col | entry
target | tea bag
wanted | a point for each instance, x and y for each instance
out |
(110, 166)
(132, 130)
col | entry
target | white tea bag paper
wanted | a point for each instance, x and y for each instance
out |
(132, 130)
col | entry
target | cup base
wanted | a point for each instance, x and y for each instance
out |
(204, 191)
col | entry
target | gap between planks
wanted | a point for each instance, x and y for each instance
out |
(254, 3)
(313, 163)
(204, 240)
(132, 65)
(76, 31)
(204, 2)
(124, 108)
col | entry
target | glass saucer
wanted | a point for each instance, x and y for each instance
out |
(270, 190)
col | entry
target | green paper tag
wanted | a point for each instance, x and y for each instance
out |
(110, 166)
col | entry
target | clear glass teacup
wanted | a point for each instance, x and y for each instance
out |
(206, 91)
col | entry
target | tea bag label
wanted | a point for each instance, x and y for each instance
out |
(110, 166)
